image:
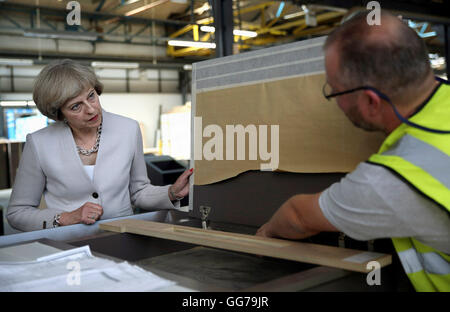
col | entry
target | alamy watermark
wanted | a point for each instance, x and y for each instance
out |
(74, 16)
(74, 276)
(373, 277)
(258, 149)
(374, 16)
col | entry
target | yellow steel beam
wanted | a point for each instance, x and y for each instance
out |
(269, 30)
(281, 27)
(320, 18)
(261, 6)
(190, 51)
(181, 31)
(262, 41)
(283, 12)
(195, 32)
(314, 30)
(300, 23)
(299, 29)
(263, 17)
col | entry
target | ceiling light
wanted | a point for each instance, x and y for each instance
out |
(192, 44)
(145, 7)
(114, 65)
(187, 67)
(207, 29)
(245, 33)
(293, 15)
(236, 32)
(436, 60)
(17, 103)
(205, 7)
(16, 62)
(280, 9)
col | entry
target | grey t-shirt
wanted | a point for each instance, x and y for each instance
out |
(372, 202)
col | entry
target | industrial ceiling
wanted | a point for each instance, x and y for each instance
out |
(139, 30)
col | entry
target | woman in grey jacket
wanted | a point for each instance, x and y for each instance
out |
(89, 164)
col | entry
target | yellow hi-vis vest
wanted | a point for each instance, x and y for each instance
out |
(422, 159)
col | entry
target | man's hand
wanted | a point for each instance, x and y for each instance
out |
(264, 231)
(299, 217)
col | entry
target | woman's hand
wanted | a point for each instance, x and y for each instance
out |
(87, 214)
(181, 186)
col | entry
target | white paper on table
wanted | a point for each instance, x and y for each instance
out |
(26, 252)
(77, 271)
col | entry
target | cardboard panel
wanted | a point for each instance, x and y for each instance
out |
(314, 134)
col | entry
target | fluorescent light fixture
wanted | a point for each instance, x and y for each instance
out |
(187, 67)
(436, 60)
(114, 65)
(428, 34)
(50, 34)
(16, 62)
(236, 32)
(280, 9)
(17, 103)
(294, 15)
(192, 44)
(207, 28)
(205, 7)
(145, 7)
(245, 33)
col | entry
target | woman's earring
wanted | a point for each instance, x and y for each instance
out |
(65, 121)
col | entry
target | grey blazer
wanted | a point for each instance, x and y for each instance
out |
(50, 165)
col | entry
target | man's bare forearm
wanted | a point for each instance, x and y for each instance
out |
(287, 222)
(299, 217)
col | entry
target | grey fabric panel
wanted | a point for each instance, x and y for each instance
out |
(270, 60)
(263, 74)
(292, 59)
(253, 54)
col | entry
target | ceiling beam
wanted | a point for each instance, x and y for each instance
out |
(44, 10)
(427, 10)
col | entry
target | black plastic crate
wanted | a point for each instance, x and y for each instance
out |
(164, 170)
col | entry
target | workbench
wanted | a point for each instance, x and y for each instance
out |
(197, 268)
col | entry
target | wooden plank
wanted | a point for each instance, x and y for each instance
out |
(342, 258)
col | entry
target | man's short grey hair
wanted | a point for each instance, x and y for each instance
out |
(397, 63)
(59, 82)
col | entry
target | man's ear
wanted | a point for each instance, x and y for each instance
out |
(374, 103)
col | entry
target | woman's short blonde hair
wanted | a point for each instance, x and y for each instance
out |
(59, 82)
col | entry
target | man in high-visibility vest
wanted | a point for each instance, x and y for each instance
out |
(380, 76)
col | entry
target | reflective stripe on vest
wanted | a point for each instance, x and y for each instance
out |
(430, 159)
(430, 262)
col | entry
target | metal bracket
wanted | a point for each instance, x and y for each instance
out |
(204, 212)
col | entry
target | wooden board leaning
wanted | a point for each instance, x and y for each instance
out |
(342, 258)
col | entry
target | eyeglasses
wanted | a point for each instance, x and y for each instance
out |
(328, 94)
